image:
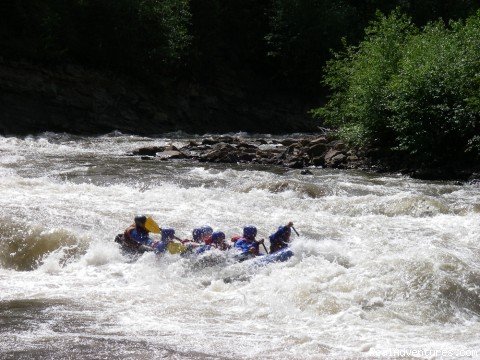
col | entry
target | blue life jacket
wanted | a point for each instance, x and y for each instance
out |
(140, 236)
(202, 249)
(245, 246)
(161, 247)
(278, 238)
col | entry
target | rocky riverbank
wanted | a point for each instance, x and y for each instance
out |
(296, 153)
(301, 153)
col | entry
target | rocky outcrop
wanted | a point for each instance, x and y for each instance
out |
(76, 100)
(293, 153)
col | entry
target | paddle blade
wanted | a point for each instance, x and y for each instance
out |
(176, 248)
(152, 226)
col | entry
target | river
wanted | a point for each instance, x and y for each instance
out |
(383, 263)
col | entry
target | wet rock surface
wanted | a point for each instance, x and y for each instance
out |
(315, 150)
(308, 151)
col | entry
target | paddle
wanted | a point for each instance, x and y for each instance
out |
(263, 244)
(296, 232)
(152, 226)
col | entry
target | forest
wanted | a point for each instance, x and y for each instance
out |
(400, 75)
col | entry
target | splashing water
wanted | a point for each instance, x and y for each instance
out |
(382, 263)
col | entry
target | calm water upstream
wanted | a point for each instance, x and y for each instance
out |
(383, 263)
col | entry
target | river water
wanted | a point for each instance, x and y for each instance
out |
(385, 266)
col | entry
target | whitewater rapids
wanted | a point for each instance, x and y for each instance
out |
(383, 263)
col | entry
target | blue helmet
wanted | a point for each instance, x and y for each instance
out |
(197, 233)
(218, 236)
(206, 230)
(284, 230)
(167, 233)
(249, 231)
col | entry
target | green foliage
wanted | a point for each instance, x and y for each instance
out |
(359, 78)
(410, 90)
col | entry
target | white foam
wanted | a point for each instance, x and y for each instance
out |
(381, 261)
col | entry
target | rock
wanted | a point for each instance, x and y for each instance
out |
(337, 145)
(352, 158)
(474, 179)
(222, 155)
(209, 141)
(226, 139)
(192, 143)
(317, 150)
(246, 157)
(303, 142)
(295, 164)
(171, 154)
(146, 157)
(246, 146)
(338, 160)
(288, 142)
(334, 158)
(262, 154)
(319, 140)
(306, 172)
(149, 151)
(330, 154)
(318, 161)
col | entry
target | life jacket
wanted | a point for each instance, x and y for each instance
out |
(160, 246)
(279, 240)
(246, 246)
(202, 249)
(139, 235)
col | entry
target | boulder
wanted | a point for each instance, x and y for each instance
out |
(303, 142)
(474, 177)
(317, 150)
(246, 146)
(337, 145)
(318, 161)
(209, 141)
(246, 156)
(319, 140)
(295, 163)
(306, 172)
(334, 158)
(226, 139)
(288, 142)
(338, 160)
(149, 151)
(171, 155)
(220, 155)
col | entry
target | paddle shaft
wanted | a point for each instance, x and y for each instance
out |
(265, 247)
(296, 232)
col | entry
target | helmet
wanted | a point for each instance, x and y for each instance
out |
(140, 220)
(249, 231)
(196, 233)
(218, 236)
(167, 233)
(284, 230)
(206, 230)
